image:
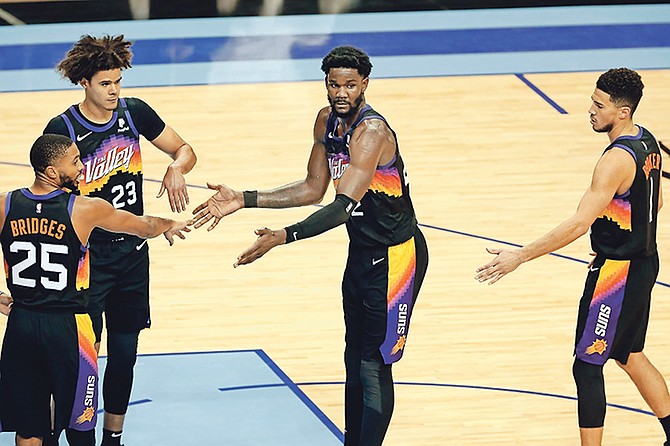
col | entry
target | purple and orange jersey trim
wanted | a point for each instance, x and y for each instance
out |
(83, 271)
(386, 179)
(619, 212)
(117, 154)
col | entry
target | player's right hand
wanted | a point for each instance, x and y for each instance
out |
(5, 303)
(225, 201)
(177, 229)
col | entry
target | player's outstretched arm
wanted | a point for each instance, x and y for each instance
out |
(89, 213)
(309, 190)
(614, 173)
(267, 239)
(224, 202)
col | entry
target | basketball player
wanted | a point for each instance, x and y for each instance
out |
(107, 129)
(388, 256)
(48, 346)
(620, 206)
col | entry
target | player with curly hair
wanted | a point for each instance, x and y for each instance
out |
(106, 128)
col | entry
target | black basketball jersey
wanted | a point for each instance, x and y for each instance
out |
(385, 215)
(46, 266)
(627, 227)
(111, 154)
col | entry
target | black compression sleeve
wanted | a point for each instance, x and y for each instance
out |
(322, 220)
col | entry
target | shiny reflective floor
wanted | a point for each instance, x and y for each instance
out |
(498, 149)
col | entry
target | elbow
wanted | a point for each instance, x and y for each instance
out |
(581, 229)
(316, 199)
(194, 157)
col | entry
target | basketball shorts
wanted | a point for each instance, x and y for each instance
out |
(379, 290)
(614, 309)
(120, 285)
(45, 354)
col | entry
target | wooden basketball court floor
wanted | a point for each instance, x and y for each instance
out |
(493, 160)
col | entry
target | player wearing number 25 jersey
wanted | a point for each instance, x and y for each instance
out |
(48, 350)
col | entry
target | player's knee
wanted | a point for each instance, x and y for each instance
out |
(79, 438)
(122, 351)
(634, 361)
(591, 402)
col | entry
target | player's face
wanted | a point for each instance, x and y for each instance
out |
(70, 169)
(346, 88)
(104, 88)
(603, 112)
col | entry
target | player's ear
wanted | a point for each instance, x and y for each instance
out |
(51, 172)
(84, 83)
(624, 112)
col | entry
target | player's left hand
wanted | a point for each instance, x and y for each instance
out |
(5, 303)
(175, 185)
(267, 239)
(505, 262)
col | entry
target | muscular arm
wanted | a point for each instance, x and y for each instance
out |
(614, 173)
(184, 158)
(371, 144)
(89, 213)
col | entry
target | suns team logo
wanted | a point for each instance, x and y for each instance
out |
(86, 416)
(399, 345)
(599, 346)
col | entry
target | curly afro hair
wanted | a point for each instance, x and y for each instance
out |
(347, 57)
(93, 54)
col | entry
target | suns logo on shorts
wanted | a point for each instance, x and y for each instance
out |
(599, 346)
(86, 416)
(399, 345)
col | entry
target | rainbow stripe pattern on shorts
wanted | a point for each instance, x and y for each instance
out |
(400, 296)
(84, 410)
(601, 322)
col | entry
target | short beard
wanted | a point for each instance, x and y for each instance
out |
(352, 110)
(605, 129)
(68, 183)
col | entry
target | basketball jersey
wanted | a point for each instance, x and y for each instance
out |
(111, 156)
(627, 227)
(46, 266)
(385, 215)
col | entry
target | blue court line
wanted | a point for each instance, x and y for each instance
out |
(464, 386)
(377, 44)
(516, 245)
(551, 102)
(132, 403)
(301, 395)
